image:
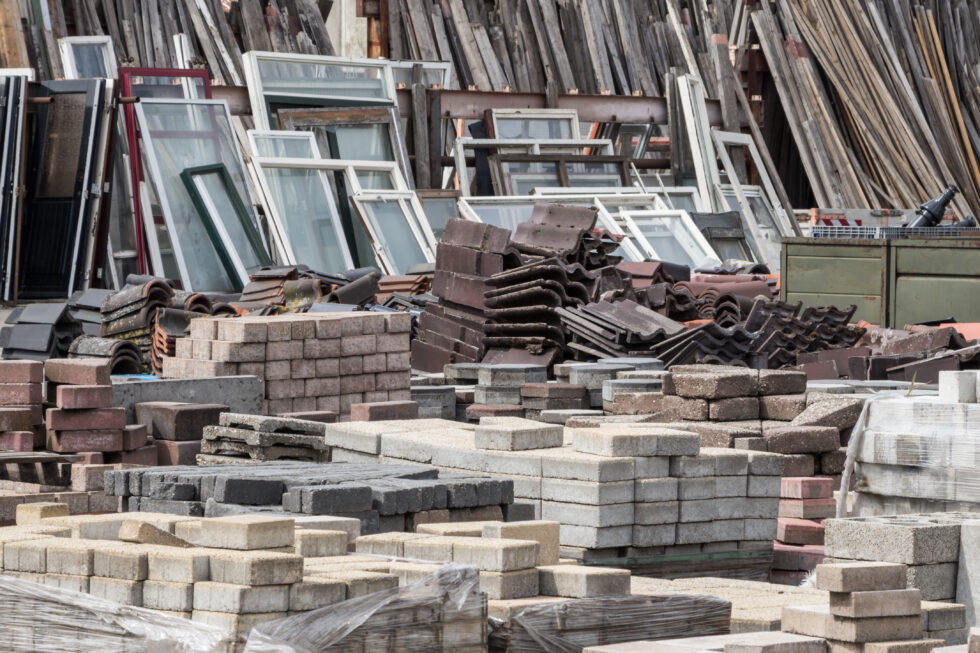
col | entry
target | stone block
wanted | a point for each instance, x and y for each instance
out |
(361, 583)
(617, 514)
(516, 434)
(807, 508)
(123, 562)
(507, 585)
(314, 593)
(246, 532)
(127, 592)
(817, 621)
(733, 409)
(33, 513)
(81, 420)
(958, 387)
(639, 440)
(905, 540)
(715, 385)
(133, 530)
(178, 565)
(781, 382)
(438, 548)
(386, 544)
(77, 371)
(164, 595)
(656, 489)
(881, 603)
(545, 533)
(239, 599)
(493, 554)
(806, 488)
(21, 371)
(799, 531)
(781, 407)
(319, 543)
(860, 577)
(839, 412)
(255, 568)
(584, 492)
(583, 582)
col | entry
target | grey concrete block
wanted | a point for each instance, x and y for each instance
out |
(656, 489)
(585, 492)
(516, 434)
(242, 394)
(665, 512)
(650, 535)
(582, 515)
(506, 585)
(909, 539)
(590, 537)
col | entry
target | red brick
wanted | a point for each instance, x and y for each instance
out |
(17, 440)
(799, 531)
(74, 397)
(790, 557)
(134, 437)
(85, 440)
(325, 416)
(143, 456)
(90, 419)
(36, 411)
(16, 394)
(15, 419)
(383, 410)
(813, 487)
(21, 372)
(177, 453)
(807, 508)
(77, 371)
(168, 420)
(476, 411)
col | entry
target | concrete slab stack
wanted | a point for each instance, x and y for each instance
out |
(918, 455)
(869, 603)
(21, 410)
(628, 493)
(804, 503)
(308, 362)
(83, 419)
(383, 497)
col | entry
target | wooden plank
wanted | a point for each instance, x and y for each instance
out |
(601, 69)
(204, 39)
(255, 36)
(418, 18)
(563, 68)
(316, 27)
(542, 41)
(467, 42)
(396, 38)
(420, 128)
(439, 33)
(498, 80)
(496, 34)
(160, 45)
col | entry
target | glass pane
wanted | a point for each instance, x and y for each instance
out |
(670, 240)
(506, 216)
(306, 210)
(375, 179)
(90, 60)
(166, 87)
(122, 233)
(682, 202)
(583, 174)
(185, 136)
(729, 248)
(403, 75)
(283, 147)
(323, 79)
(762, 213)
(534, 128)
(438, 211)
(363, 142)
(212, 187)
(392, 226)
(521, 177)
(63, 143)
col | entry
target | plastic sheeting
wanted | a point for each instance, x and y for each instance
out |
(569, 626)
(41, 619)
(914, 454)
(442, 612)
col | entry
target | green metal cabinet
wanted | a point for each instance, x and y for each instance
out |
(837, 272)
(892, 282)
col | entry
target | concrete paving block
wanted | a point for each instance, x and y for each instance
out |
(496, 554)
(175, 565)
(241, 624)
(936, 582)
(311, 543)
(585, 492)
(438, 548)
(807, 508)
(733, 409)
(692, 466)
(511, 374)
(860, 576)
(912, 540)
(908, 646)
(387, 544)
(164, 595)
(763, 486)
(648, 467)
(766, 464)
(348, 525)
(240, 599)
(801, 439)
(254, 567)
(581, 515)
(314, 593)
(127, 592)
(26, 555)
(583, 582)
(635, 440)
(715, 385)
(71, 582)
(508, 585)
(362, 583)
(33, 513)
(840, 412)
(590, 537)
(761, 529)
(649, 535)
(663, 512)
(958, 387)
(968, 572)
(718, 530)
(516, 434)
(246, 532)
(816, 621)
(71, 556)
(141, 532)
(125, 562)
(691, 489)
(654, 490)
(545, 533)
(943, 616)
(880, 603)
(573, 465)
(782, 407)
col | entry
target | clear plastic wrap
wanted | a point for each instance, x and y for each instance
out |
(443, 612)
(569, 626)
(41, 619)
(918, 448)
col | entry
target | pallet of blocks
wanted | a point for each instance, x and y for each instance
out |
(308, 362)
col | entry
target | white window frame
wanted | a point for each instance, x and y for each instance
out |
(282, 134)
(569, 115)
(257, 92)
(408, 64)
(66, 43)
(633, 220)
(415, 216)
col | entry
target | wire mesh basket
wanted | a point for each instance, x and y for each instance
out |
(885, 233)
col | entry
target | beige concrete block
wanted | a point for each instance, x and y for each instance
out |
(240, 599)
(67, 582)
(70, 556)
(311, 543)
(179, 565)
(910, 646)
(459, 529)
(256, 568)
(313, 593)
(509, 584)
(496, 554)
(387, 544)
(246, 532)
(860, 576)
(884, 603)
(583, 582)
(134, 530)
(816, 621)
(412, 572)
(234, 623)
(27, 555)
(438, 548)
(164, 595)
(545, 533)
(361, 583)
(33, 513)
(127, 592)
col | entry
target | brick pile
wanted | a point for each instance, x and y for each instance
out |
(21, 413)
(763, 410)
(870, 610)
(803, 505)
(309, 362)
(177, 428)
(83, 419)
(383, 497)
(619, 491)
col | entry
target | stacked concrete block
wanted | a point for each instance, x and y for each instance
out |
(84, 419)
(769, 642)
(309, 362)
(21, 410)
(804, 503)
(177, 428)
(499, 386)
(869, 603)
(382, 497)
(593, 375)
(918, 455)
(539, 397)
(435, 401)
(256, 438)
